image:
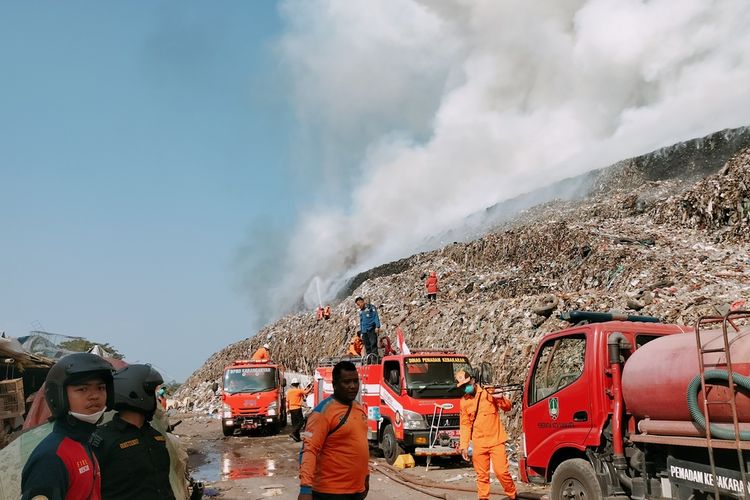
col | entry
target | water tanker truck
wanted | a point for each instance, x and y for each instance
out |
(616, 409)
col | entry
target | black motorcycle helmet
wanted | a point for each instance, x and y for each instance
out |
(73, 368)
(135, 388)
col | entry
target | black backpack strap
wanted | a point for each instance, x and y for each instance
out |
(476, 414)
(341, 422)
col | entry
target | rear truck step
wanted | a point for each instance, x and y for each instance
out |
(436, 451)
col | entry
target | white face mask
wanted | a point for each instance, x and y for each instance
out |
(89, 419)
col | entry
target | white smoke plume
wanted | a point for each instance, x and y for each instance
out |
(432, 110)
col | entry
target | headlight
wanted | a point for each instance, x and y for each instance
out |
(227, 410)
(414, 421)
(272, 408)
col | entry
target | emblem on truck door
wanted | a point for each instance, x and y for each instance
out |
(554, 408)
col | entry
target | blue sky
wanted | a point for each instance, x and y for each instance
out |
(173, 174)
(140, 144)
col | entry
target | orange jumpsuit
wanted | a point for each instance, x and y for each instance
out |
(261, 354)
(355, 347)
(488, 440)
(294, 398)
(337, 463)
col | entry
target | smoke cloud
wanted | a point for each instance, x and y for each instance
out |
(424, 112)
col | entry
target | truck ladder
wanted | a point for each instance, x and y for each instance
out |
(437, 415)
(731, 401)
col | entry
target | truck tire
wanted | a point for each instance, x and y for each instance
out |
(575, 479)
(390, 445)
(228, 431)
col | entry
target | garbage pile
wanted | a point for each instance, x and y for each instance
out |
(720, 203)
(657, 249)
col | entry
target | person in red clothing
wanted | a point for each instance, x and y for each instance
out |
(432, 286)
(334, 459)
(78, 390)
(481, 426)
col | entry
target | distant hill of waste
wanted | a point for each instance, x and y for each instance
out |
(665, 234)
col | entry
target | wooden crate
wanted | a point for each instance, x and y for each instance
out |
(12, 402)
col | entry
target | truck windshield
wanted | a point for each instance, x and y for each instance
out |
(433, 377)
(249, 380)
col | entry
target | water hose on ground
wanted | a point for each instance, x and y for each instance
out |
(388, 471)
(694, 388)
(407, 483)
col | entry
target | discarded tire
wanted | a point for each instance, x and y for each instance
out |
(547, 306)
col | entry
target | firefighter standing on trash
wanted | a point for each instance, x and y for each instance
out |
(481, 426)
(78, 390)
(432, 286)
(369, 325)
(334, 459)
(127, 447)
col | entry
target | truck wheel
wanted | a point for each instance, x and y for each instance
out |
(575, 479)
(228, 431)
(390, 446)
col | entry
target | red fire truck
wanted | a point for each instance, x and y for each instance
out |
(253, 396)
(615, 409)
(411, 400)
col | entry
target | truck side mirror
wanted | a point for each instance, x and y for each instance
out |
(486, 373)
(283, 382)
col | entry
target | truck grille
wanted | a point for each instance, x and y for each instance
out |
(249, 412)
(447, 420)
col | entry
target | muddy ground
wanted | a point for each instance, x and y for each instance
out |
(261, 466)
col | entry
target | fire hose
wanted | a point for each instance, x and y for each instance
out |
(419, 485)
(694, 388)
(406, 482)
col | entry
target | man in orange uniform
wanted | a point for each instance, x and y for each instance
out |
(355, 347)
(481, 425)
(335, 454)
(262, 354)
(294, 399)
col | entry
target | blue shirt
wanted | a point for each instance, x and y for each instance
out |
(368, 318)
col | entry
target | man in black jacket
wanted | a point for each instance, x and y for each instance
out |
(133, 455)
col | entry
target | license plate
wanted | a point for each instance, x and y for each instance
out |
(453, 433)
(250, 402)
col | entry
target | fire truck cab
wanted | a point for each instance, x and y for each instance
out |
(411, 400)
(253, 396)
(608, 413)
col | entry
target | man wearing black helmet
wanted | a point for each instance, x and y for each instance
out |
(78, 390)
(133, 455)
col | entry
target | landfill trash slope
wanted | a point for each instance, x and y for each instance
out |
(655, 249)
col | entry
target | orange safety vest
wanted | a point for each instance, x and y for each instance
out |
(355, 347)
(432, 283)
(261, 354)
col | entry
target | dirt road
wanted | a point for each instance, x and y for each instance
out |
(258, 467)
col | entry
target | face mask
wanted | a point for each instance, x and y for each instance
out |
(469, 389)
(89, 419)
